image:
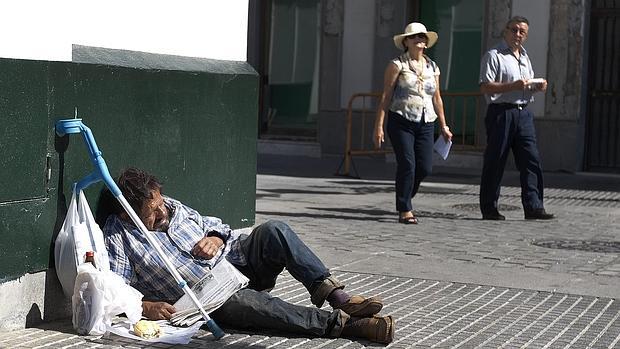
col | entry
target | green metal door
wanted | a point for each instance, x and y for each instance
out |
(459, 25)
(24, 166)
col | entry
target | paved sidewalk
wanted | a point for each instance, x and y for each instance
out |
(451, 281)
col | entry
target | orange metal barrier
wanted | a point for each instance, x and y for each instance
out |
(465, 136)
(348, 151)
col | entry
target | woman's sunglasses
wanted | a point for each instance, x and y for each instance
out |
(419, 36)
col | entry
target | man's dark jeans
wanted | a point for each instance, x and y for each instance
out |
(510, 128)
(270, 248)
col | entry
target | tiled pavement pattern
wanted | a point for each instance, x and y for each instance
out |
(351, 225)
(452, 315)
(429, 314)
(561, 197)
(342, 213)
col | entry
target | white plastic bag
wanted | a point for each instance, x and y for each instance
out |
(79, 234)
(98, 297)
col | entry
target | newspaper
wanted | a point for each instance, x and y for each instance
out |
(442, 147)
(212, 291)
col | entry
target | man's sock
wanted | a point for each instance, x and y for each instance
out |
(337, 298)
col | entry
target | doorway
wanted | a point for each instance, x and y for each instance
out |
(603, 113)
(290, 94)
(459, 24)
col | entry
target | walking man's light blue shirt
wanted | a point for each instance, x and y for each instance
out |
(499, 64)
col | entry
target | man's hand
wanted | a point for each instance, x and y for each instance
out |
(157, 310)
(207, 247)
(501, 87)
(541, 86)
(519, 85)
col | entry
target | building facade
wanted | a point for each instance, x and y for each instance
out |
(314, 55)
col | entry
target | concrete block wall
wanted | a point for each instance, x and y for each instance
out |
(195, 130)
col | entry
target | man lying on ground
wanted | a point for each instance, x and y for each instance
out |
(193, 243)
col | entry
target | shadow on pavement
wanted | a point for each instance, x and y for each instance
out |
(376, 168)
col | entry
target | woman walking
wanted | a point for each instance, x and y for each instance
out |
(412, 102)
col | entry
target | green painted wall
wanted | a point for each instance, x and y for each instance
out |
(196, 131)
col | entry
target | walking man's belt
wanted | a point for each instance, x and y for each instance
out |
(512, 105)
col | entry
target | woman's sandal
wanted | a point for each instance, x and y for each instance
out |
(408, 220)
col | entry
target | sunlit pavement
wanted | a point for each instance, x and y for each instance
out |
(451, 281)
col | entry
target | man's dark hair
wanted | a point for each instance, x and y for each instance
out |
(517, 19)
(136, 186)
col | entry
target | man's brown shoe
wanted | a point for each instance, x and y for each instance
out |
(378, 329)
(362, 307)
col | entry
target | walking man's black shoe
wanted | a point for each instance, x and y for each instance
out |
(538, 213)
(493, 216)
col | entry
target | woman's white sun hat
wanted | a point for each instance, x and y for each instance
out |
(412, 29)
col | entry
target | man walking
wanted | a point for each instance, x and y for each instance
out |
(507, 81)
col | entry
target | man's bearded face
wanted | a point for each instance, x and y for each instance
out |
(155, 214)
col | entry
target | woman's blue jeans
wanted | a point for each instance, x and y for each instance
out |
(269, 249)
(413, 149)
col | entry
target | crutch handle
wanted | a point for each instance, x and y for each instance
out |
(76, 126)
